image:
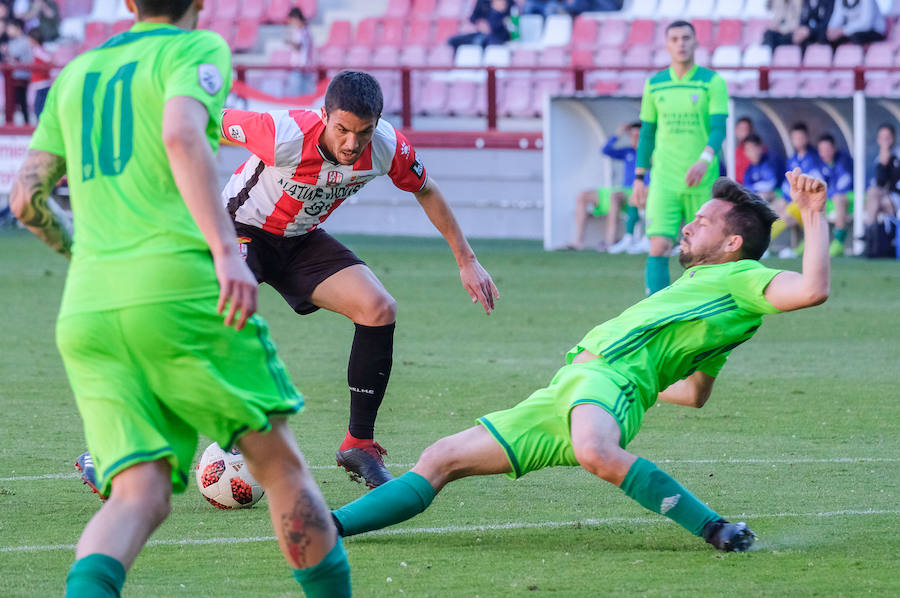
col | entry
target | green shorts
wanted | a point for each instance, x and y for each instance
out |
(668, 206)
(536, 433)
(601, 208)
(148, 378)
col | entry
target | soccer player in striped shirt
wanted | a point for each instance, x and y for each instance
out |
(304, 164)
(683, 114)
(668, 347)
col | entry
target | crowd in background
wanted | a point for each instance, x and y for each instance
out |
(24, 28)
(832, 22)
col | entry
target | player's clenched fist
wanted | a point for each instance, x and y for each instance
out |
(809, 193)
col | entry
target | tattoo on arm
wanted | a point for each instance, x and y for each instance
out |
(31, 202)
(307, 520)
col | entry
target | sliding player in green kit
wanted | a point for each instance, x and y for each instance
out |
(683, 114)
(134, 124)
(670, 347)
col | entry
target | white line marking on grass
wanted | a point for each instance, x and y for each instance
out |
(760, 461)
(452, 529)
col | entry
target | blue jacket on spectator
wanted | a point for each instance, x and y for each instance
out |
(809, 163)
(627, 154)
(839, 175)
(761, 178)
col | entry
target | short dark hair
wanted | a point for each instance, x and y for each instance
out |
(890, 128)
(36, 35)
(829, 138)
(355, 92)
(753, 138)
(174, 9)
(745, 119)
(296, 13)
(750, 217)
(800, 127)
(17, 22)
(675, 24)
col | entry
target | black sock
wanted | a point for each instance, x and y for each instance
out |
(368, 372)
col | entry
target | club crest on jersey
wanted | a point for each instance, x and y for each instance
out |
(404, 149)
(334, 178)
(242, 246)
(694, 98)
(210, 78)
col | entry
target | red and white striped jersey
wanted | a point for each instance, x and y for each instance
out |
(287, 187)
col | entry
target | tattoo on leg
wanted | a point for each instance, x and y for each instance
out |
(307, 518)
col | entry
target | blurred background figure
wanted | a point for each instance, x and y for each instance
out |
(856, 21)
(298, 38)
(785, 21)
(42, 60)
(489, 18)
(18, 50)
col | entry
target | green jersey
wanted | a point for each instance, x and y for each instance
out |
(135, 241)
(691, 325)
(681, 109)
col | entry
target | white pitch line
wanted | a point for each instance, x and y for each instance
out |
(453, 529)
(750, 461)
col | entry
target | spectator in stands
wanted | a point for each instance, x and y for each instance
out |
(40, 75)
(836, 168)
(18, 50)
(4, 19)
(856, 21)
(760, 176)
(43, 15)
(814, 18)
(297, 36)
(609, 202)
(883, 194)
(742, 128)
(785, 21)
(804, 157)
(571, 7)
(489, 18)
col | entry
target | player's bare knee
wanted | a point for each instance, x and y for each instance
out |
(599, 459)
(379, 311)
(440, 461)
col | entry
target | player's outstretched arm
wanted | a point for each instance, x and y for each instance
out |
(30, 200)
(693, 391)
(795, 290)
(194, 170)
(474, 277)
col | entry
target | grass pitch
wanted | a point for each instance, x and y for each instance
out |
(799, 439)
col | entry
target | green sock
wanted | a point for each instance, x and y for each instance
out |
(96, 575)
(840, 235)
(659, 492)
(631, 218)
(330, 578)
(392, 502)
(656, 273)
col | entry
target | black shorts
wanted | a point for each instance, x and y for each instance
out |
(294, 266)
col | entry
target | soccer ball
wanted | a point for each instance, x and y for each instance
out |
(225, 481)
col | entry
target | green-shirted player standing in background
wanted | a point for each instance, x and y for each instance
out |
(683, 114)
(670, 347)
(155, 262)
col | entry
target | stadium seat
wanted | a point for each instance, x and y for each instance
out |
(431, 97)
(252, 11)
(121, 26)
(95, 33)
(555, 57)
(730, 33)
(389, 80)
(645, 9)
(584, 34)
(524, 57)
(704, 30)
(613, 32)
(661, 58)
(246, 36)
(339, 34)
(386, 56)
(786, 56)
(842, 84)
(358, 56)
(641, 34)
(754, 30)
(728, 9)
(418, 33)
(366, 30)
(816, 56)
(397, 8)
(816, 84)
(310, 8)
(848, 56)
(610, 57)
(392, 31)
(880, 54)
(280, 56)
(225, 28)
(331, 56)
(670, 9)
(557, 30)
(548, 87)
(456, 9)
(530, 28)
(701, 56)
(496, 56)
(72, 28)
(424, 8)
(104, 10)
(462, 98)
(660, 34)
(757, 56)
(881, 87)
(413, 56)
(440, 56)
(469, 55)
(65, 52)
(726, 56)
(632, 84)
(582, 58)
(755, 9)
(515, 98)
(444, 30)
(277, 11)
(638, 56)
(75, 8)
(226, 9)
(699, 9)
